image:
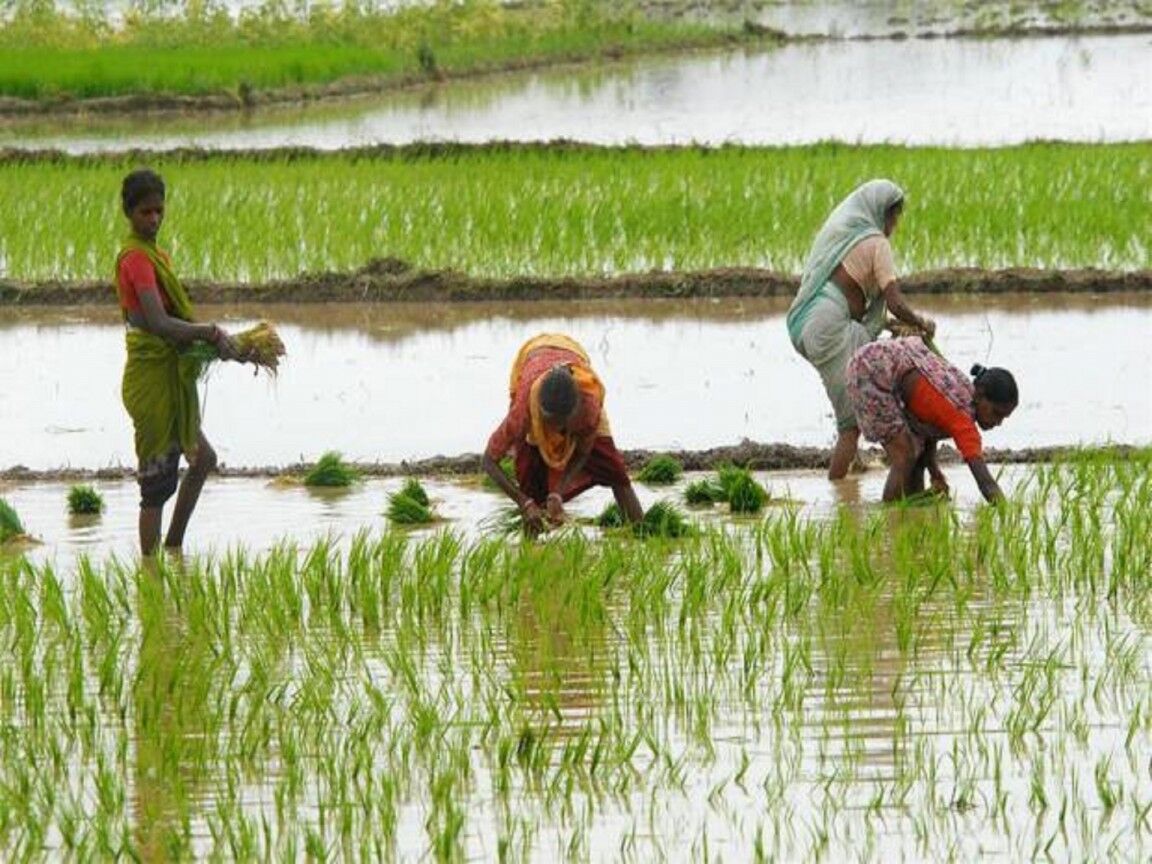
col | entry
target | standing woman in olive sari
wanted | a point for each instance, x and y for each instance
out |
(848, 287)
(159, 385)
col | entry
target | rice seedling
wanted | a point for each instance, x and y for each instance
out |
(49, 52)
(330, 470)
(610, 517)
(410, 505)
(260, 345)
(663, 519)
(84, 500)
(496, 211)
(10, 524)
(741, 491)
(661, 470)
(705, 492)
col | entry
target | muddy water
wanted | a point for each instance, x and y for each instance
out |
(259, 513)
(950, 92)
(392, 382)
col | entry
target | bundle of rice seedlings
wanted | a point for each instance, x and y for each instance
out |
(260, 345)
(744, 494)
(663, 519)
(10, 525)
(704, 492)
(410, 505)
(610, 516)
(507, 521)
(405, 509)
(661, 470)
(415, 490)
(330, 470)
(84, 500)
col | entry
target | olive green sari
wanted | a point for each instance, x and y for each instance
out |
(159, 385)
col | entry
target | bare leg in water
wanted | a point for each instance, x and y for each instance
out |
(844, 453)
(201, 465)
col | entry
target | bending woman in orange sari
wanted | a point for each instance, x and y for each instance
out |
(558, 433)
(159, 385)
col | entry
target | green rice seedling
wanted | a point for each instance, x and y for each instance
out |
(330, 470)
(661, 470)
(741, 491)
(49, 52)
(704, 492)
(610, 516)
(493, 212)
(84, 500)
(10, 525)
(410, 506)
(506, 521)
(663, 519)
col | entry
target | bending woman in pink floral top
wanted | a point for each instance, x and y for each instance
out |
(907, 398)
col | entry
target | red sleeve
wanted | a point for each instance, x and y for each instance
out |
(137, 276)
(931, 406)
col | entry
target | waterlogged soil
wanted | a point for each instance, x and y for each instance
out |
(390, 279)
(258, 513)
(395, 384)
(965, 92)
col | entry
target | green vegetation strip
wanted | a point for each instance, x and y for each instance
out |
(566, 210)
(47, 55)
(916, 680)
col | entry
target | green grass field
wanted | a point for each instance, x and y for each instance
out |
(199, 50)
(542, 210)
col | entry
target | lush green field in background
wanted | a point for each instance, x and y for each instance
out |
(559, 210)
(45, 54)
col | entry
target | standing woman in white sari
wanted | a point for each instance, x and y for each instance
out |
(849, 282)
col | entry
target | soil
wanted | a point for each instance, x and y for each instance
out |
(392, 280)
(748, 454)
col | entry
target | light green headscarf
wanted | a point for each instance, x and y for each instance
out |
(858, 216)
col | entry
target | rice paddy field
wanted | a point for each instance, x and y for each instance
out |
(922, 683)
(536, 209)
(355, 659)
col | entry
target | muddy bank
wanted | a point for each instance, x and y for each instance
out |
(391, 280)
(747, 454)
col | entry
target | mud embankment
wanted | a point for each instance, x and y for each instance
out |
(390, 280)
(747, 454)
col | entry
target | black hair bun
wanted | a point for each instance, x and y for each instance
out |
(977, 370)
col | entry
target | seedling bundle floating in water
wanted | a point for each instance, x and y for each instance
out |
(84, 500)
(410, 506)
(331, 471)
(10, 524)
(661, 470)
(731, 484)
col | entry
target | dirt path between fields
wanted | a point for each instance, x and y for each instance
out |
(389, 280)
(748, 454)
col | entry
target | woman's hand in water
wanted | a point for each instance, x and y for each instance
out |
(555, 506)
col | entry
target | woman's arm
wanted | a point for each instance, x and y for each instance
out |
(529, 509)
(158, 322)
(936, 476)
(989, 488)
(894, 298)
(572, 470)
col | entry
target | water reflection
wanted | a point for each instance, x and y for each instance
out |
(962, 93)
(389, 383)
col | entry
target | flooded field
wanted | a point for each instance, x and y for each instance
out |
(962, 93)
(389, 382)
(820, 683)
